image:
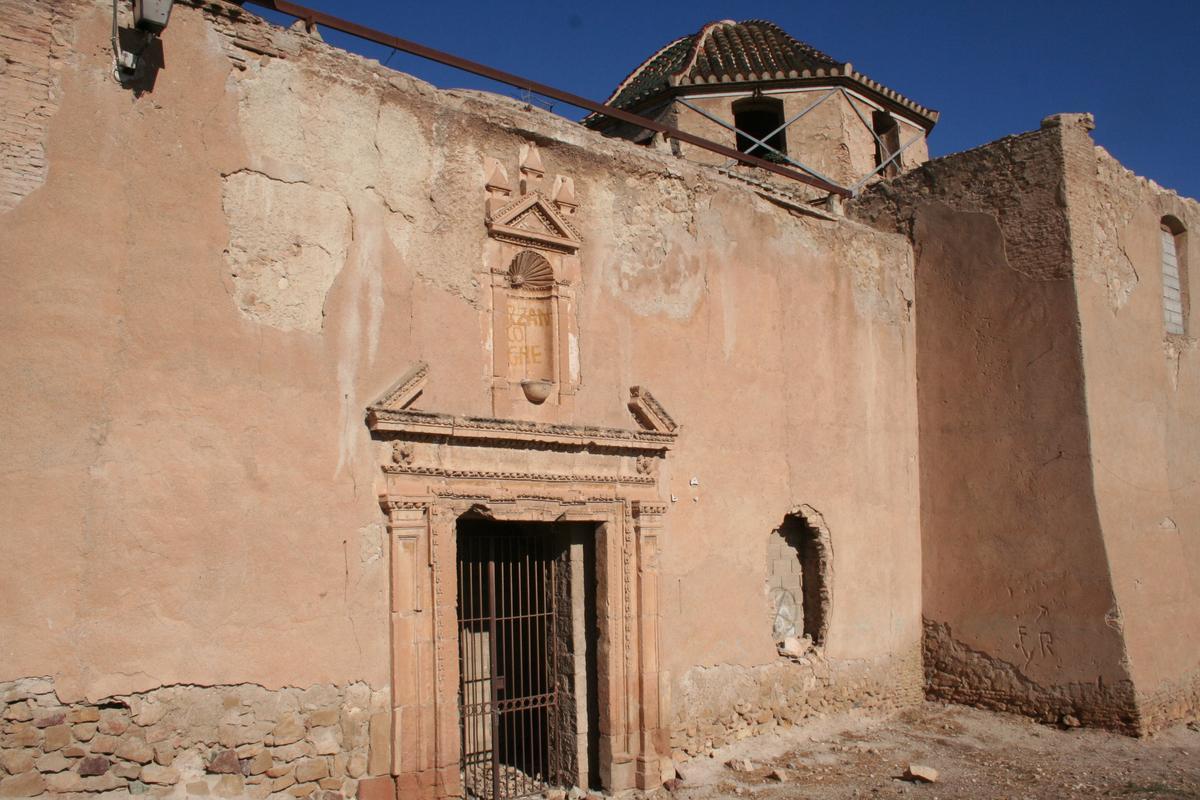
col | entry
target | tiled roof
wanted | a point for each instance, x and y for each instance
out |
(729, 52)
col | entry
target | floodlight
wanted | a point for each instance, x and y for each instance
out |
(152, 15)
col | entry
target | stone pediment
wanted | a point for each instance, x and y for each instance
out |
(533, 220)
(402, 393)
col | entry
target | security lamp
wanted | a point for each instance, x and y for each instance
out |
(151, 15)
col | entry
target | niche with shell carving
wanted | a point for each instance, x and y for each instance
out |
(532, 259)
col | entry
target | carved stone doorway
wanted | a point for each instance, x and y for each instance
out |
(441, 468)
(527, 675)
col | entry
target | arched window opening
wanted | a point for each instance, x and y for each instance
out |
(798, 563)
(1173, 252)
(759, 117)
(888, 131)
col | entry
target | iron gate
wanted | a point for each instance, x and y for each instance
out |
(508, 694)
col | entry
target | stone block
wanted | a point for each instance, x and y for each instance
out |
(107, 745)
(56, 737)
(84, 731)
(65, 782)
(46, 720)
(53, 762)
(229, 786)
(93, 765)
(260, 763)
(250, 750)
(325, 741)
(135, 749)
(294, 751)
(164, 755)
(23, 734)
(19, 712)
(312, 769)
(153, 773)
(379, 788)
(17, 761)
(84, 714)
(380, 752)
(198, 788)
(224, 762)
(26, 784)
(323, 718)
(113, 723)
(289, 729)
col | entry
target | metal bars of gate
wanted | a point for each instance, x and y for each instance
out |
(312, 17)
(508, 692)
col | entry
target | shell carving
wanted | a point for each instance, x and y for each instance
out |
(530, 270)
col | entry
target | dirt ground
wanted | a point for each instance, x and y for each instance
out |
(976, 753)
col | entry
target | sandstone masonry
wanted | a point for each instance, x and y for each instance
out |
(192, 741)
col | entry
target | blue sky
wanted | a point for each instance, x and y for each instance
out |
(992, 69)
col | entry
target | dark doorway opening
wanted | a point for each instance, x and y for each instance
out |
(760, 118)
(798, 572)
(527, 660)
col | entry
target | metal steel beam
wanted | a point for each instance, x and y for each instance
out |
(313, 17)
(854, 189)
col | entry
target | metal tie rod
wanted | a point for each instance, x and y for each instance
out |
(313, 17)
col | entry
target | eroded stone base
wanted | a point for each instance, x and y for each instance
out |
(1171, 704)
(721, 704)
(184, 741)
(958, 674)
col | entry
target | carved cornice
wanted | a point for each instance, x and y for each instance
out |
(521, 433)
(537, 477)
(509, 501)
(643, 509)
(649, 412)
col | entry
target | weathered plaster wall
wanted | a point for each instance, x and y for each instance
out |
(1018, 599)
(1143, 401)
(219, 275)
(32, 53)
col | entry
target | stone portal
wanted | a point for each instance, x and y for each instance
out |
(446, 474)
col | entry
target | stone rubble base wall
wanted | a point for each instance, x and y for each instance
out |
(192, 741)
(1170, 704)
(956, 673)
(721, 704)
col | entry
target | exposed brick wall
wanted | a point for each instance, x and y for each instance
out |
(227, 741)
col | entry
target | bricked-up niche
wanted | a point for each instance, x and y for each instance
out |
(1174, 275)
(798, 563)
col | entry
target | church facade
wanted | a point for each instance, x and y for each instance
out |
(370, 439)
